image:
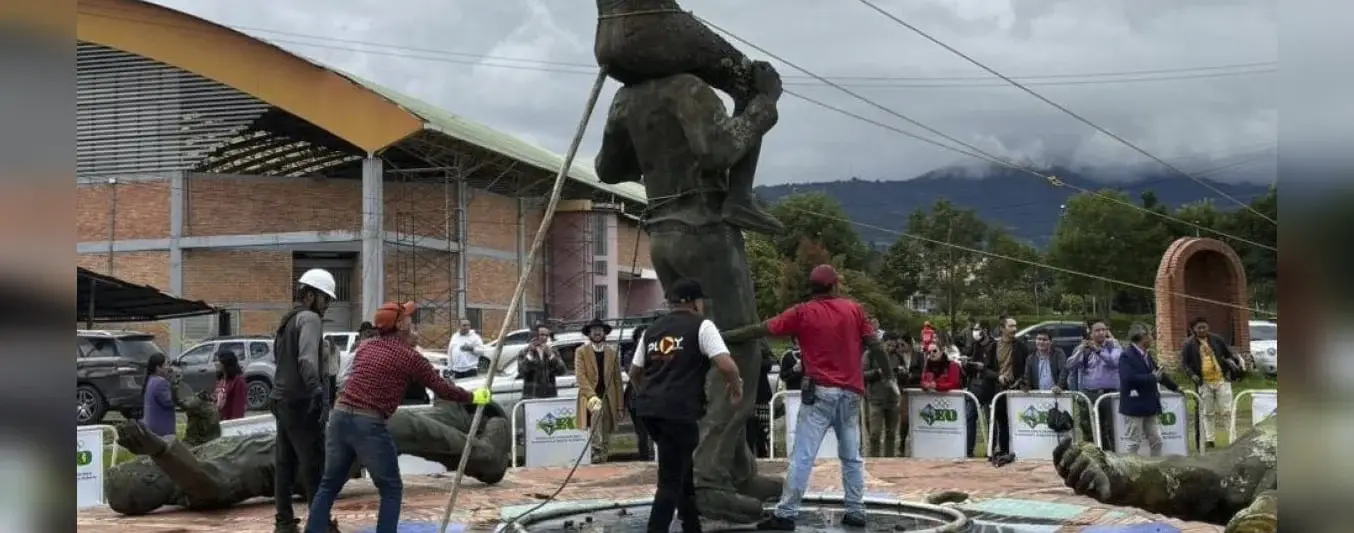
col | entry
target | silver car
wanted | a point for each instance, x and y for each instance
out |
(255, 353)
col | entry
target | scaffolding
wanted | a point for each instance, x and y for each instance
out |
(574, 267)
(428, 218)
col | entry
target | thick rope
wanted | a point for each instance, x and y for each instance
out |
(536, 246)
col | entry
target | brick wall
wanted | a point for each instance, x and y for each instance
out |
(493, 221)
(628, 236)
(242, 205)
(142, 210)
(1207, 269)
(221, 276)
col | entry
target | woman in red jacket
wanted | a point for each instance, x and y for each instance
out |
(940, 374)
(230, 386)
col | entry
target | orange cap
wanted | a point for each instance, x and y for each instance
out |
(389, 316)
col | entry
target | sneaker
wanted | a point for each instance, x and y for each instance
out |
(776, 523)
(854, 520)
(287, 526)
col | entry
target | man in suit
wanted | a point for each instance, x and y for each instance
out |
(1212, 366)
(1139, 396)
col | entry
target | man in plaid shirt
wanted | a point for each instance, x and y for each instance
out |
(381, 369)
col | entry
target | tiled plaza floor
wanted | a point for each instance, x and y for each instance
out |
(480, 505)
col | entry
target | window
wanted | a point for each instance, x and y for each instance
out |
(1069, 331)
(138, 349)
(1264, 332)
(599, 233)
(475, 316)
(599, 300)
(599, 268)
(235, 347)
(425, 315)
(98, 348)
(198, 355)
(534, 318)
(259, 350)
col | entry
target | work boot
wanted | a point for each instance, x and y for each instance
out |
(776, 523)
(854, 519)
(287, 526)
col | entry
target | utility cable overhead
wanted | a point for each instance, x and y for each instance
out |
(1069, 112)
(863, 82)
(971, 151)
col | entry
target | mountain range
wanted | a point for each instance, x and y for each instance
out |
(1026, 205)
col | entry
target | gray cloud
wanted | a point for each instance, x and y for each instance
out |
(1201, 122)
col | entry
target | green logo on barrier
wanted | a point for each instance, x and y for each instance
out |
(550, 423)
(83, 458)
(1167, 418)
(938, 411)
(1035, 417)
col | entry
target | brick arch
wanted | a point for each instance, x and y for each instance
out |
(1205, 268)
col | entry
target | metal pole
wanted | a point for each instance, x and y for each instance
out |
(89, 307)
(112, 221)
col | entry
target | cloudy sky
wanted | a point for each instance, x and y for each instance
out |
(1190, 82)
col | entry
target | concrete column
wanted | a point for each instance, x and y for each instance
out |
(373, 233)
(463, 241)
(177, 198)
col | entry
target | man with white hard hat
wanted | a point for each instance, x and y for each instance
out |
(298, 399)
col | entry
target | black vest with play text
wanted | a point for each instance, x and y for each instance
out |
(674, 369)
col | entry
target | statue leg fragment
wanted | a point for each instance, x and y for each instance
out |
(1261, 516)
(727, 485)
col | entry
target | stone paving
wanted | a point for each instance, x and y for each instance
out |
(480, 506)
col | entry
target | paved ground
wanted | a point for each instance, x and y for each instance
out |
(480, 505)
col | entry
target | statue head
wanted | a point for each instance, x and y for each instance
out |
(139, 487)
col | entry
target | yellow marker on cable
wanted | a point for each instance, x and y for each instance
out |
(482, 397)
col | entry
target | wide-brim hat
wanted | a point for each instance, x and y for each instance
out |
(597, 323)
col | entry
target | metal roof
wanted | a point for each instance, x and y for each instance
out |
(462, 129)
(101, 298)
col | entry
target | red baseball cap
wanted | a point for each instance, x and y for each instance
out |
(823, 275)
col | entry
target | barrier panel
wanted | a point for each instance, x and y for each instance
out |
(1174, 420)
(790, 398)
(89, 463)
(1263, 403)
(1027, 421)
(552, 434)
(938, 423)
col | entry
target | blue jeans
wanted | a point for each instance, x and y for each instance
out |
(838, 409)
(354, 437)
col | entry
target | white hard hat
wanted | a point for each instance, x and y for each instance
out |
(321, 280)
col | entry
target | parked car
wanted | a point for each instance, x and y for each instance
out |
(110, 370)
(255, 353)
(513, 343)
(1265, 346)
(1066, 335)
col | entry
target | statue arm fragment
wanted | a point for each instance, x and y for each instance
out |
(718, 140)
(617, 161)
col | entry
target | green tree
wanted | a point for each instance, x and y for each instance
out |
(947, 235)
(1262, 266)
(765, 263)
(1105, 240)
(820, 218)
(901, 271)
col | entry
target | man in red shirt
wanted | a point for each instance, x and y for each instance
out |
(832, 332)
(381, 370)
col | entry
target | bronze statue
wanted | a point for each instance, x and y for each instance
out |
(645, 40)
(1236, 485)
(675, 134)
(224, 471)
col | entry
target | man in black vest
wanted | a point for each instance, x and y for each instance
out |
(671, 361)
(299, 402)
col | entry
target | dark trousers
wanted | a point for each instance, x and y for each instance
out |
(299, 451)
(642, 441)
(1000, 425)
(353, 437)
(676, 441)
(759, 431)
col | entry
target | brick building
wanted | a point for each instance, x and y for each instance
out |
(218, 167)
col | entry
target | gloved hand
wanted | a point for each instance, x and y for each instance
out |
(482, 396)
(594, 404)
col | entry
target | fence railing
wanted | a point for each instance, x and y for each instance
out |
(1025, 418)
(1175, 414)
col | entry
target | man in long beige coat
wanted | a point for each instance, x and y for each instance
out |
(600, 394)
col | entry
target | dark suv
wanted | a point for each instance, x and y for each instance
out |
(110, 368)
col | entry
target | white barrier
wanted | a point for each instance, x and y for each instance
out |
(1174, 421)
(938, 423)
(791, 399)
(1263, 403)
(89, 463)
(1027, 422)
(552, 434)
